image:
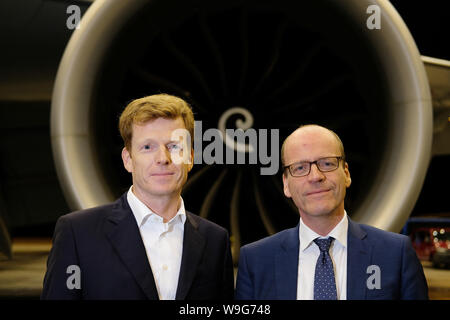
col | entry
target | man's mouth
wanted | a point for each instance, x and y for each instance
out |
(321, 191)
(162, 174)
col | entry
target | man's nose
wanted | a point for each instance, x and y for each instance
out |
(315, 174)
(163, 156)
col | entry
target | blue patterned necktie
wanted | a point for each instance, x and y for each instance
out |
(324, 282)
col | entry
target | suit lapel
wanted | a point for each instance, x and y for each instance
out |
(193, 246)
(358, 259)
(123, 233)
(286, 266)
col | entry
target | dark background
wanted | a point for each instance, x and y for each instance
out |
(31, 47)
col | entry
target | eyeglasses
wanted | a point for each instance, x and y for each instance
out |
(301, 169)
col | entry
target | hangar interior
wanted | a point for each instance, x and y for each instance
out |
(385, 91)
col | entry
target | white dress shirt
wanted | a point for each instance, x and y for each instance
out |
(309, 252)
(163, 244)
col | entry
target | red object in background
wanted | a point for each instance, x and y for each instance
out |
(427, 240)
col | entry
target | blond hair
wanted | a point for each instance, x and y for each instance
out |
(145, 109)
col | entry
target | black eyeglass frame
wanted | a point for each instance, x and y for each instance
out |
(339, 158)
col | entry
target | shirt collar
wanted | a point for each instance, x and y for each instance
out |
(142, 213)
(339, 233)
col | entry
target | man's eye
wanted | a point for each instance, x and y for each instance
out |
(146, 147)
(174, 147)
(327, 163)
(299, 167)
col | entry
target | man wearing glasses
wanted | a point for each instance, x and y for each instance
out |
(327, 256)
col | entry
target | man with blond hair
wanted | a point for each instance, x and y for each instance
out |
(145, 245)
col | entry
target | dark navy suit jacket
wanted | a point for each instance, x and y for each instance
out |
(268, 268)
(105, 243)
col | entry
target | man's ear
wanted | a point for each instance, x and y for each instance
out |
(191, 162)
(126, 158)
(287, 193)
(348, 179)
